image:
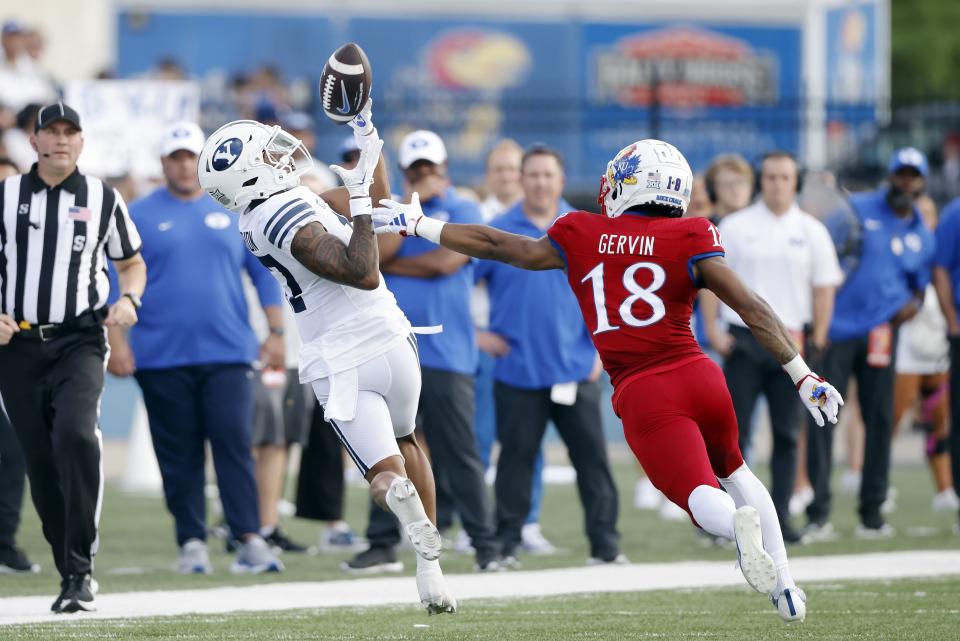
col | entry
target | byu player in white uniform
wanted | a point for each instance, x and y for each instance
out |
(358, 351)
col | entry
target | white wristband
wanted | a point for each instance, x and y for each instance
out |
(796, 369)
(360, 207)
(429, 228)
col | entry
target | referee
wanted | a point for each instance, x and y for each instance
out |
(57, 227)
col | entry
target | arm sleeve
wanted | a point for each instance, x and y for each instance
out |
(703, 241)
(123, 240)
(268, 290)
(559, 234)
(826, 265)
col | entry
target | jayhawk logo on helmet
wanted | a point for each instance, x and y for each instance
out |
(625, 166)
(621, 187)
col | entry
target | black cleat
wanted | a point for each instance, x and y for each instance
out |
(279, 542)
(374, 560)
(14, 561)
(78, 595)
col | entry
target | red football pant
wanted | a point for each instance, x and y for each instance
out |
(681, 426)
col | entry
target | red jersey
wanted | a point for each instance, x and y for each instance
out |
(633, 278)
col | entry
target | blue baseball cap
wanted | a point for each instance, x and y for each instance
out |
(12, 26)
(909, 157)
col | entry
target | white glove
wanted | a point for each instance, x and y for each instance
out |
(819, 396)
(406, 219)
(358, 180)
(362, 124)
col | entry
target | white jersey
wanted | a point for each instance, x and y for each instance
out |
(341, 327)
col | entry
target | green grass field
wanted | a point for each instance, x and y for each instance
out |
(137, 547)
(900, 610)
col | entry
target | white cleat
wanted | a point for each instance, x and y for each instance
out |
(757, 566)
(405, 503)
(791, 604)
(433, 591)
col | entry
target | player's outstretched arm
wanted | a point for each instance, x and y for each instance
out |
(369, 143)
(479, 241)
(356, 264)
(817, 394)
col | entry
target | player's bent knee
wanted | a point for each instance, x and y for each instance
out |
(391, 467)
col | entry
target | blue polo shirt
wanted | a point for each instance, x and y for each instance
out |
(441, 300)
(194, 311)
(537, 314)
(948, 246)
(895, 260)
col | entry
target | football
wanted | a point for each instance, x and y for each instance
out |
(345, 83)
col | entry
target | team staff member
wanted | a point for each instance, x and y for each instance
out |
(888, 251)
(502, 182)
(57, 227)
(192, 351)
(432, 286)
(550, 372)
(787, 257)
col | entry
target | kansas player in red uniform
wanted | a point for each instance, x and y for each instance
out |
(635, 272)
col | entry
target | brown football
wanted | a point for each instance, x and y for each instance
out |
(345, 83)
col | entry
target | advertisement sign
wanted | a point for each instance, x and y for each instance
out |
(586, 88)
(124, 119)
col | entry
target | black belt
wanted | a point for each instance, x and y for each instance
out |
(50, 331)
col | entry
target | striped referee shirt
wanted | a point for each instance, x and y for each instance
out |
(54, 242)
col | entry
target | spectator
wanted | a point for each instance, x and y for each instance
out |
(502, 182)
(16, 139)
(432, 288)
(550, 373)
(729, 184)
(795, 269)
(21, 80)
(887, 252)
(502, 179)
(282, 411)
(191, 357)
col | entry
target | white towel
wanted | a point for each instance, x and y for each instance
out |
(341, 405)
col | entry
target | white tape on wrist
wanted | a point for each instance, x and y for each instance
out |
(359, 135)
(796, 369)
(360, 207)
(429, 228)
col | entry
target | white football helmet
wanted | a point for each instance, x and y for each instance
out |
(647, 172)
(245, 160)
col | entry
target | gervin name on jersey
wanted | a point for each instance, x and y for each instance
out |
(629, 245)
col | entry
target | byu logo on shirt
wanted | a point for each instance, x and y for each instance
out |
(227, 153)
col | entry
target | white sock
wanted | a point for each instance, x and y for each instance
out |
(746, 489)
(267, 530)
(713, 510)
(404, 501)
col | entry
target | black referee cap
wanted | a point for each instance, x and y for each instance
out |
(57, 111)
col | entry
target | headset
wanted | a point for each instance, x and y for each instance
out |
(708, 175)
(776, 153)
